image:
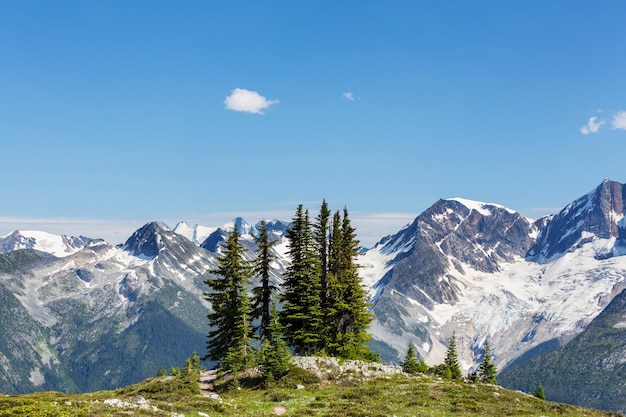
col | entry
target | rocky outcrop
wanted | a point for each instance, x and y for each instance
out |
(330, 368)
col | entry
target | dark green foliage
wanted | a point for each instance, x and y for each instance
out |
(297, 376)
(473, 377)
(487, 370)
(262, 295)
(230, 337)
(114, 359)
(354, 318)
(451, 361)
(325, 307)
(275, 357)
(321, 231)
(334, 302)
(411, 363)
(539, 393)
(302, 313)
(347, 315)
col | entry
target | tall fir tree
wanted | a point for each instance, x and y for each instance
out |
(263, 293)
(275, 358)
(302, 313)
(452, 359)
(321, 232)
(231, 333)
(539, 393)
(241, 352)
(334, 290)
(354, 317)
(487, 370)
(411, 364)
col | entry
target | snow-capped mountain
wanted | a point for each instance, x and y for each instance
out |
(247, 231)
(196, 233)
(57, 245)
(487, 272)
(597, 216)
(104, 316)
(276, 231)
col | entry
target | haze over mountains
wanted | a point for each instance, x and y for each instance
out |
(103, 316)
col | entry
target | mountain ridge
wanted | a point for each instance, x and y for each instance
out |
(469, 268)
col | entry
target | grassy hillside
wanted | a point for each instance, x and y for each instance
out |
(348, 395)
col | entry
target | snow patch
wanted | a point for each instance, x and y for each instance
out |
(480, 207)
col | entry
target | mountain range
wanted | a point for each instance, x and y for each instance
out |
(486, 272)
(85, 315)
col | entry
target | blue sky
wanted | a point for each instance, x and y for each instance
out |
(115, 113)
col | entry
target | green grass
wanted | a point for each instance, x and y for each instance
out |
(399, 395)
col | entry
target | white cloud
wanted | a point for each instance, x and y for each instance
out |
(619, 120)
(247, 101)
(592, 126)
(348, 96)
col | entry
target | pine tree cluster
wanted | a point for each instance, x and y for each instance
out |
(324, 306)
(450, 368)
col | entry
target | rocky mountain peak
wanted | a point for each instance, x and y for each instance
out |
(147, 241)
(597, 215)
(278, 227)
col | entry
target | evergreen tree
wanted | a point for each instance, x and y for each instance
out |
(192, 365)
(354, 317)
(275, 358)
(539, 393)
(334, 290)
(302, 314)
(487, 370)
(321, 233)
(451, 361)
(231, 332)
(241, 353)
(263, 293)
(411, 364)
(472, 377)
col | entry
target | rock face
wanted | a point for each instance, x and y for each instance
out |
(148, 240)
(449, 234)
(597, 215)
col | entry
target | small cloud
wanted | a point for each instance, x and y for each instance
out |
(348, 96)
(592, 126)
(247, 101)
(619, 120)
